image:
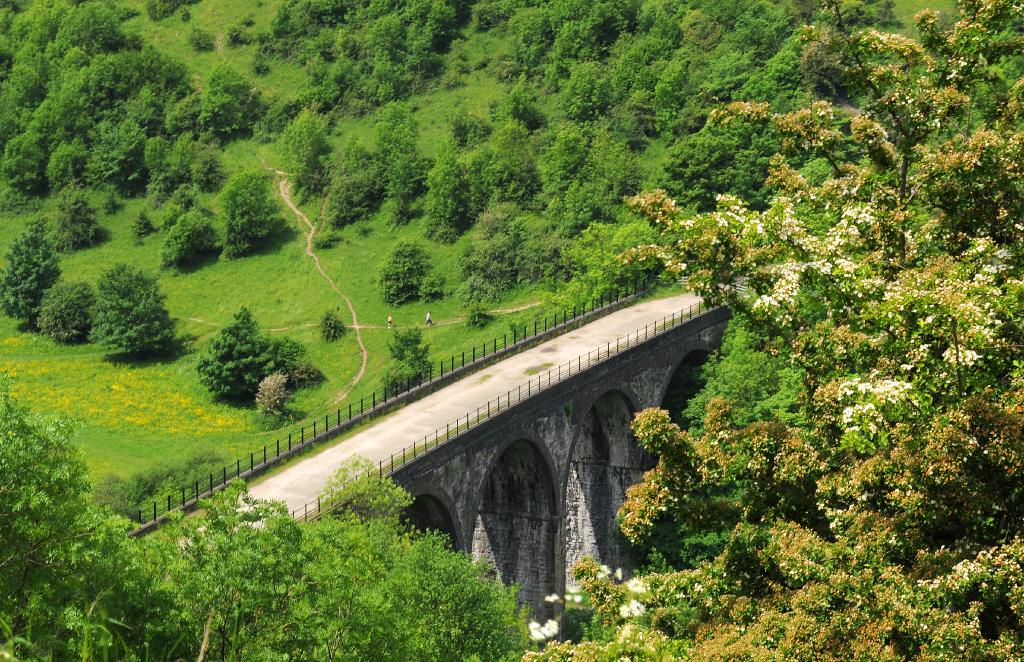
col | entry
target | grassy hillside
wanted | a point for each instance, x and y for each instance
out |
(633, 119)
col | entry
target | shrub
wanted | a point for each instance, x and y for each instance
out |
(66, 312)
(142, 227)
(403, 273)
(327, 239)
(249, 212)
(207, 171)
(200, 40)
(75, 223)
(130, 315)
(432, 288)
(305, 374)
(332, 326)
(111, 202)
(260, 64)
(32, 268)
(272, 394)
(478, 317)
(189, 240)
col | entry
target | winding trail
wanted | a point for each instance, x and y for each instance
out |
(285, 188)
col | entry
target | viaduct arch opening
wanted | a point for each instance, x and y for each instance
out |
(685, 383)
(428, 513)
(515, 525)
(604, 462)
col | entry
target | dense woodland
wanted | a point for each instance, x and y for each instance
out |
(844, 482)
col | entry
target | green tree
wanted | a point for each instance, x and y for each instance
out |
(356, 187)
(118, 155)
(75, 224)
(447, 196)
(66, 311)
(403, 169)
(238, 359)
(32, 268)
(63, 560)
(230, 104)
(189, 240)
(306, 150)
(130, 316)
(402, 276)
(410, 361)
(67, 164)
(249, 212)
(24, 163)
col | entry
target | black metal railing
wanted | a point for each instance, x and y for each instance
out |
(376, 403)
(542, 382)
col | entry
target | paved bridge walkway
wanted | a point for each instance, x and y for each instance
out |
(301, 482)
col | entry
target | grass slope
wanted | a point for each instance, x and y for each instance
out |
(133, 416)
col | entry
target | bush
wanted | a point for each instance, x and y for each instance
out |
(75, 224)
(477, 317)
(130, 315)
(332, 326)
(272, 394)
(260, 64)
(125, 495)
(200, 40)
(207, 171)
(432, 288)
(402, 277)
(142, 227)
(189, 240)
(66, 312)
(327, 239)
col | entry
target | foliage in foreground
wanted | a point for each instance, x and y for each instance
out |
(883, 522)
(217, 586)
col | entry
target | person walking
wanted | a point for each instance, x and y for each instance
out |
(429, 322)
(391, 321)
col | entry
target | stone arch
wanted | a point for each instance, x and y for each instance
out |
(515, 525)
(429, 513)
(604, 461)
(683, 382)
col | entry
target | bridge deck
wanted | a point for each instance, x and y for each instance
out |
(302, 481)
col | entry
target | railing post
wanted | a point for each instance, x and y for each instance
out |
(350, 411)
(374, 403)
(277, 451)
(289, 442)
(154, 509)
(250, 461)
(264, 454)
(238, 467)
(224, 475)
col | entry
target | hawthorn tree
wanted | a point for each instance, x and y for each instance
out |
(886, 525)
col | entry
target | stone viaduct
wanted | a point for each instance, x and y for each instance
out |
(538, 486)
